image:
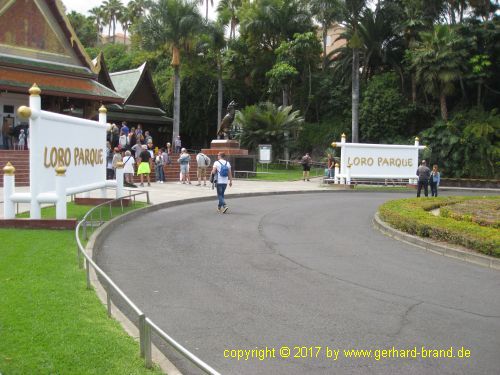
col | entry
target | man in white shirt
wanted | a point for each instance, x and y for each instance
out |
(203, 161)
(222, 169)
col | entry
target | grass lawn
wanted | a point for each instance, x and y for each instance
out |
(472, 222)
(49, 322)
(78, 211)
(279, 172)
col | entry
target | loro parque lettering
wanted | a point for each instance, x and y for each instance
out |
(65, 156)
(380, 161)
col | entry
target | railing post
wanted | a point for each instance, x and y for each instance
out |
(147, 195)
(142, 328)
(147, 346)
(78, 257)
(87, 271)
(108, 302)
(8, 189)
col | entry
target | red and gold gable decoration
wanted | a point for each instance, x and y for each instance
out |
(23, 25)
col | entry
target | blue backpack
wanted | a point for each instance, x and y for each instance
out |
(224, 170)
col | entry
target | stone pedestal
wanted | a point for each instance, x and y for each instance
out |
(228, 146)
(238, 157)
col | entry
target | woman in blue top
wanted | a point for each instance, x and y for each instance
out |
(435, 180)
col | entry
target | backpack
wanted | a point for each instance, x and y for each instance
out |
(207, 161)
(224, 170)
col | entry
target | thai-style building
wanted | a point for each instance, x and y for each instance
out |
(38, 45)
(142, 104)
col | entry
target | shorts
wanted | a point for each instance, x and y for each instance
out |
(306, 167)
(144, 168)
(202, 172)
(184, 168)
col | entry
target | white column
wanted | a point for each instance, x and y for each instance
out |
(33, 113)
(8, 190)
(414, 181)
(348, 176)
(343, 160)
(119, 179)
(337, 172)
(61, 209)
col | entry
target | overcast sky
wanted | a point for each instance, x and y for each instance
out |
(83, 6)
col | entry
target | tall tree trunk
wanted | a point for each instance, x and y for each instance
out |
(479, 94)
(444, 108)
(206, 15)
(285, 95)
(124, 36)
(355, 95)
(98, 32)
(219, 93)
(413, 88)
(325, 37)
(177, 103)
(114, 31)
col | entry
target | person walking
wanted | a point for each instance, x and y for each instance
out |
(435, 180)
(203, 162)
(423, 173)
(223, 174)
(128, 169)
(144, 167)
(159, 163)
(109, 161)
(184, 166)
(306, 166)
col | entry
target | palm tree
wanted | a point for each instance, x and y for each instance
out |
(206, 1)
(113, 9)
(353, 10)
(265, 123)
(272, 21)
(438, 63)
(171, 24)
(138, 8)
(229, 9)
(99, 16)
(126, 19)
(216, 46)
(326, 13)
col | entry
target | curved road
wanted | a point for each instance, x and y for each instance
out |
(304, 270)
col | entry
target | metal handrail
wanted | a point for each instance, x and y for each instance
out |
(146, 325)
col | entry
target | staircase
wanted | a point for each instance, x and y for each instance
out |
(172, 170)
(21, 161)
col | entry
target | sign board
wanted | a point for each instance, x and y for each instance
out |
(265, 153)
(77, 144)
(380, 161)
(364, 160)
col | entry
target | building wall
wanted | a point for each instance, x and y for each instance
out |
(333, 34)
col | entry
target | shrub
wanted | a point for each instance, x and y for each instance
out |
(413, 216)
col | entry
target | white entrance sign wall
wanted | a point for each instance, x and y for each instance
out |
(73, 148)
(363, 160)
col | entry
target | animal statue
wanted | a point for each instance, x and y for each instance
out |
(227, 122)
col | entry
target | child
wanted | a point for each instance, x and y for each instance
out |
(22, 140)
(435, 180)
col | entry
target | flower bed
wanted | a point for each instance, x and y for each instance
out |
(413, 216)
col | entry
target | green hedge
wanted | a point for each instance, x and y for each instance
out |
(413, 216)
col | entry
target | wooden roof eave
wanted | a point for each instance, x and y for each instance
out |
(145, 74)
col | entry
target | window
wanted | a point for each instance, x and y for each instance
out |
(8, 109)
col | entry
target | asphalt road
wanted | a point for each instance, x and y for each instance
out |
(304, 271)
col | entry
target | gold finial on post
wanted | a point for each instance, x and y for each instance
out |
(24, 112)
(334, 144)
(35, 90)
(103, 109)
(417, 139)
(337, 165)
(60, 170)
(9, 169)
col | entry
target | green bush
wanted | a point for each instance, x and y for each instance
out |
(413, 216)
